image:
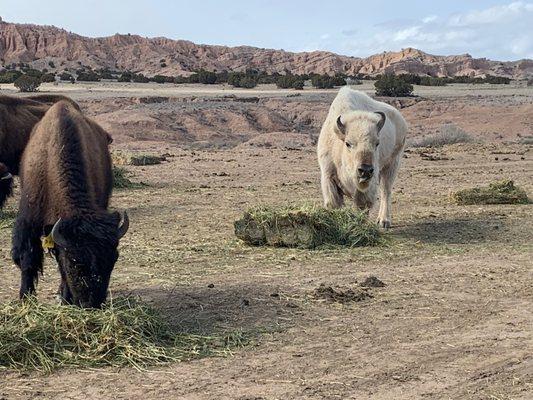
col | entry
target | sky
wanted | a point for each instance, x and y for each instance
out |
(495, 29)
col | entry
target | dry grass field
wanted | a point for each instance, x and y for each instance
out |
(453, 321)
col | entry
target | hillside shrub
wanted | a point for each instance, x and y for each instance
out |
(26, 83)
(392, 86)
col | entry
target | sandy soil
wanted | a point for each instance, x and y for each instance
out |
(454, 320)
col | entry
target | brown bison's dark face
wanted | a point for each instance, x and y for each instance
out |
(86, 251)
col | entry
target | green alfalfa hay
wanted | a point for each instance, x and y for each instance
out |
(125, 332)
(121, 180)
(502, 192)
(125, 158)
(344, 226)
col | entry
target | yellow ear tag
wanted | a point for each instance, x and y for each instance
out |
(47, 242)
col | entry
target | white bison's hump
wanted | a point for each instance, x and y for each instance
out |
(350, 99)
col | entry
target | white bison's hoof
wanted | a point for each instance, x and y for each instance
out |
(384, 223)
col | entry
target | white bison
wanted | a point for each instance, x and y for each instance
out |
(361, 144)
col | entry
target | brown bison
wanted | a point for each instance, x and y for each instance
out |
(66, 180)
(18, 116)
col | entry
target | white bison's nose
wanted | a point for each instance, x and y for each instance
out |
(365, 172)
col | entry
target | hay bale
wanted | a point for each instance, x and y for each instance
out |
(305, 227)
(125, 332)
(121, 180)
(502, 192)
(123, 158)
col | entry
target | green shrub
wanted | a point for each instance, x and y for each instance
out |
(65, 76)
(162, 79)
(48, 78)
(248, 82)
(180, 80)
(326, 81)
(139, 78)
(206, 77)
(35, 73)
(392, 86)
(26, 83)
(242, 80)
(290, 81)
(9, 76)
(125, 77)
(432, 81)
(88, 76)
(413, 79)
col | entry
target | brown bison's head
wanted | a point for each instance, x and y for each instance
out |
(86, 251)
(359, 130)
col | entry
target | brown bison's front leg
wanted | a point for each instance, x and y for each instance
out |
(27, 254)
(64, 291)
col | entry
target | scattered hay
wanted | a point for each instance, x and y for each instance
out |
(448, 134)
(502, 192)
(121, 158)
(306, 226)
(7, 218)
(526, 140)
(341, 296)
(121, 180)
(126, 332)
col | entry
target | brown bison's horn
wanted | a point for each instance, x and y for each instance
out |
(56, 236)
(382, 121)
(123, 228)
(6, 177)
(340, 125)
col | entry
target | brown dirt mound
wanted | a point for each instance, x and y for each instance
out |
(342, 296)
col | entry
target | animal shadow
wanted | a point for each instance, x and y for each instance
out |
(219, 308)
(461, 230)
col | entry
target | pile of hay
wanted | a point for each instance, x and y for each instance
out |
(126, 332)
(122, 158)
(7, 218)
(121, 180)
(502, 192)
(306, 226)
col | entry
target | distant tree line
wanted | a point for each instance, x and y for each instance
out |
(386, 85)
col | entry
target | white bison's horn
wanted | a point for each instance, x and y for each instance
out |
(382, 121)
(340, 125)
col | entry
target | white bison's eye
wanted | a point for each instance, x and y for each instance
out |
(349, 145)
(377, 143)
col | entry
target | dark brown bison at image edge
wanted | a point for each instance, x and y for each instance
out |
(18, 116)
(66, 180)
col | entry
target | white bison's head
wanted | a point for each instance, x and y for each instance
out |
(359, 130)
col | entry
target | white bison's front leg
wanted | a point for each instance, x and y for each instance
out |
(333, 197)
(386, 181)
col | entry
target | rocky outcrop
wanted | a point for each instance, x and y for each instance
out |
(56, 49)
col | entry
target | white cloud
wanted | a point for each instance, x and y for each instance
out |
(492, 15)
(502, 32)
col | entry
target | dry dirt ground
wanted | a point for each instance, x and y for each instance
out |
(453, 321)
